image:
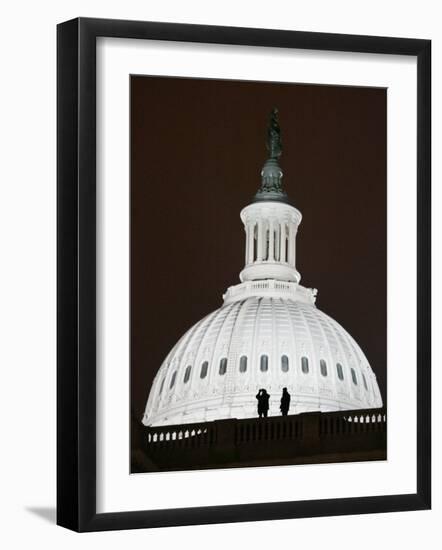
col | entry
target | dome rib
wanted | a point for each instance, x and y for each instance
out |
(216, 355)
(255, 353)
(231, 355)
(347, 381)
(331, 366)
(212, 318)
(314, 361)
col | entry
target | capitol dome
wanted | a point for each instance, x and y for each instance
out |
(268, 334)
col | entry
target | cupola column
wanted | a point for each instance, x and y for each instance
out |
(292, 245)
(247, 230)
(250, 243)
(260, 241)
(278, 243)
(282, 249)
(271, 242)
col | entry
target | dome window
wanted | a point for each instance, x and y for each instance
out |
(223, 365)
(284, 363)
(172, 380)
(304, 365)
(162, 386)
(353, 377)
(340, 371)
(243, 364)
(264, 366)
(204, 368)
(323, 367)
(187, 373)
(365, 381)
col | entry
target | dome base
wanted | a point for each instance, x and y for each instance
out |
(272, 289)
(269, 270)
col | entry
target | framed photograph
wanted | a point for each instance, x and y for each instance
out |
(243, 274)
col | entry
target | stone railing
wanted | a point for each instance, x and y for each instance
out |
(330, 437)
(185, 435)
(352, 422)
(275, 428)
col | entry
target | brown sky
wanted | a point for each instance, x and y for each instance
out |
(197, 148)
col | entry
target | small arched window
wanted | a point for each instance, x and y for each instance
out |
(223, 365)
(162, 386)
(323, 367)
(304, 365)
(365, 381)
(284, 363)
(340, 371)
(353, 377)
(187, 373)
(264, 365)
(172, 380)
(243, 364)
(204, 368)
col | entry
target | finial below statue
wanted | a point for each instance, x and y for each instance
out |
(274, 145)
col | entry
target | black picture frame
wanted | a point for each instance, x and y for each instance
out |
(76, 274)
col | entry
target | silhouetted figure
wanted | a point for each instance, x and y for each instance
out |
(263, 403)
(285, 402)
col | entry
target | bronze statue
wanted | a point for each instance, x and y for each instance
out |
(271, 173)
(274, 145)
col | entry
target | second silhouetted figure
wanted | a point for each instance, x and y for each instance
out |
(263, 403)
(285, 402)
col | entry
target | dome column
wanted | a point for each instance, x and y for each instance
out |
(247, 230)
(292, 245)
(271, 242)
(282, 244)
(250, 236)
(260, 243)
(278, 243)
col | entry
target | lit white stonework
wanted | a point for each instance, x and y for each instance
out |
(268, 334)
(270, 241)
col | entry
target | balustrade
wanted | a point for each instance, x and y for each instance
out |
(329, 425)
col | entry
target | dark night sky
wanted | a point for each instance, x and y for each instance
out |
(197, 148)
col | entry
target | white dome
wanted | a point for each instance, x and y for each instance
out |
(268, 334)
(218, 366)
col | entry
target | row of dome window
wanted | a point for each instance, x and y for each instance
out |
(264, 367)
